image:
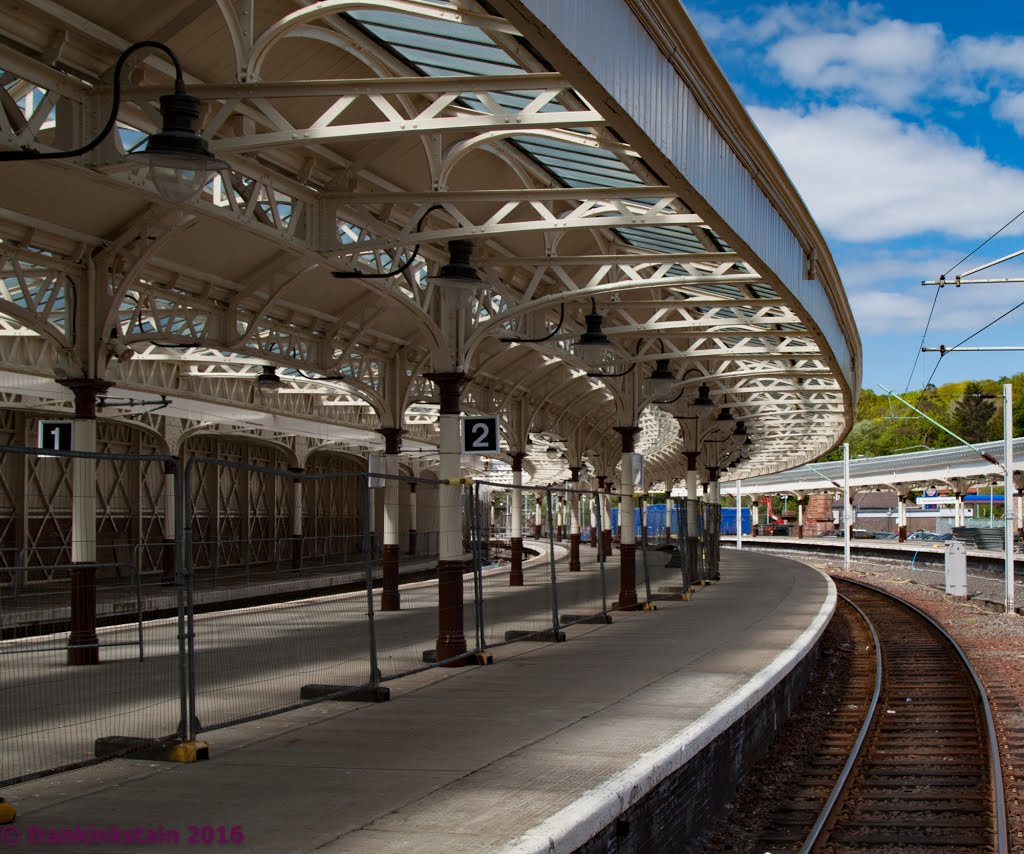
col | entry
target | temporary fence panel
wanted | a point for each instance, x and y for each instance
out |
(126, 691)
(407, 627)
(581, 591)
(712, 539)
(510, 610)
(680, 558)
(289, 627)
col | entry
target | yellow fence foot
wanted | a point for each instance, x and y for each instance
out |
(7, 812)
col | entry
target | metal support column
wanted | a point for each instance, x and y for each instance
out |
(627, 529)
(515, 574)
(574, 520)
(390, 598)
(83, 644)
(452, 563)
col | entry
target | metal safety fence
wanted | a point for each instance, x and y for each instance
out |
(264, 588)
(75, 594)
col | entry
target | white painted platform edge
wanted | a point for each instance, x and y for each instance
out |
(572, 826)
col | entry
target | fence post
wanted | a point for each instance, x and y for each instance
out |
(554, 576)
(599, 534)
(643, 546)
(137, 581)
(371, 628)
(683, 542)
(478, 578)
(182, 516)
(700, 543)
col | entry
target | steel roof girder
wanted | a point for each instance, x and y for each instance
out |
(548, 222)
(416, 126)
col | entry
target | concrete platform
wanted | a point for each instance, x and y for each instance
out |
(622, 731)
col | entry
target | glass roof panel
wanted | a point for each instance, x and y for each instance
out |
(444, 48)
(669, 238)
(763, 291)
(438, 44)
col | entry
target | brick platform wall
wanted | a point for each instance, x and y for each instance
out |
(670, 817)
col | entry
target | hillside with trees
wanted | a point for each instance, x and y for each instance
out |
(972, 409)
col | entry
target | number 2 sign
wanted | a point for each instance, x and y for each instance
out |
(480, 434)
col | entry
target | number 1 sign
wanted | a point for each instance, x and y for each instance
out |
(480, 434)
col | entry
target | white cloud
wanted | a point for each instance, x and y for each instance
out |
(891, 61)
(995, 54)
(1009, 107)
(880, 312)
(855, 51)
(867, 176)
(958, 313)
(762, 24)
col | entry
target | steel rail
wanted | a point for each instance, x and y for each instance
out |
(869, 717)
(995, 765)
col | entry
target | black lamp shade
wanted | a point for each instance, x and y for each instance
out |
(703, 396)
(178, 157)
(458, 272)
(268, 382)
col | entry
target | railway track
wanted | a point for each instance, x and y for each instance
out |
(912, 762)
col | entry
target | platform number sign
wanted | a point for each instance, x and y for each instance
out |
(55, 435)
(480, 434)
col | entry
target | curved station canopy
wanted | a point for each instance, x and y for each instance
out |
(957, 469)
(563, 202)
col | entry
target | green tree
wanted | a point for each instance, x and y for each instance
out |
(973, 414)
(882, 425)
(1018, 416)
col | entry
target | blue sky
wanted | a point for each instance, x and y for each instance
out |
(902, 126)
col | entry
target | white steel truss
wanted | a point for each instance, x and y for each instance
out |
(410, 124)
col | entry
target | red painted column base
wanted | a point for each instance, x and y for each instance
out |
(903, 533)
(515, 575)
(593, 538)
(412, 541)
(574, 552)
(82, 641)
(627, 577)
(296, 551)
(451, 638)
(536, 531)
(606, 537)
(390, 598)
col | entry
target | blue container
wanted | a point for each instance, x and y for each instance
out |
(729, 520)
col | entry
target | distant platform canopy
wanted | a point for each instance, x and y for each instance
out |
(942, 470)
(489, 178)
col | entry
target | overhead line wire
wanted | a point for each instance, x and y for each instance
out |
(936, 299)
(982, 244)
(973, 335)
(924, 335)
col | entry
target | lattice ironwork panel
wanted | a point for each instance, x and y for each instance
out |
(239, 517)
(333, 508)
(267, 521)
(48, 492)
(11, 494)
